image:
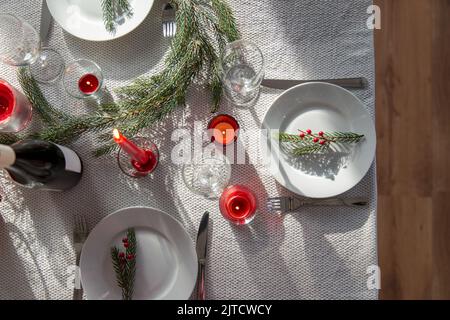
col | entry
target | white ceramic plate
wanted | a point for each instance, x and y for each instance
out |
(84, 18)
(320, 107)
(166, 261)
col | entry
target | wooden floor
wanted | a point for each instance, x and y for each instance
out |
(413, 126)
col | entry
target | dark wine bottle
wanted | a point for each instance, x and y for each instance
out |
(41, 165)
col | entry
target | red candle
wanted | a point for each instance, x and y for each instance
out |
(88, 84)
(224, 129)
(238, 204)
(138, 155)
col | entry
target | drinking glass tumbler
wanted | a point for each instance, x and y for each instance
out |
(242, 70)
(15, 109)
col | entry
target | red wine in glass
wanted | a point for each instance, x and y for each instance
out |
(6, 103)
(88, 84)
(15, 109)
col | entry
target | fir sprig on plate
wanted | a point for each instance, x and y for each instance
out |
(307, 142)
(124, 263)
(112, 10)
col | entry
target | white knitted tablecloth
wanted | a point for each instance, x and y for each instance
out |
(319, 253)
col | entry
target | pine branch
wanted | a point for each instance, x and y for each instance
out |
(112, 10)
(125, 7)
(109, 15)
(307, 142)
(343, 137)
(124, 264)
(34, 94)
(131, 263)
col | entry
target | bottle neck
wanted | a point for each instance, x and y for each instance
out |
(7, 156)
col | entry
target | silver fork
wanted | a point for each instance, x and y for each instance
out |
(168, 21)
(289, 204)
(80, 234)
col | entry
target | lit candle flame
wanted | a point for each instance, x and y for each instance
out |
(117, 136)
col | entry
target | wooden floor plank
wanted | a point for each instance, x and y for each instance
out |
(413, 128)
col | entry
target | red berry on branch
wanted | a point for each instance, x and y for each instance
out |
(124, 240)
(316, 140)
(302, 135)
(126, 244)
(130, 256)
(309, 131)
(322, 142)
(121, 255)
(321, 133)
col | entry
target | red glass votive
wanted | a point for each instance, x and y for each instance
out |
(224, 129)
(238, 204)
(15, 109)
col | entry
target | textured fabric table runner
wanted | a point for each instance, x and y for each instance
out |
(318, 253)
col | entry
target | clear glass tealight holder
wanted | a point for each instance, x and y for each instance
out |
(207, 176)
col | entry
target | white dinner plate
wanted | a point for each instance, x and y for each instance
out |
(84, 18)
(166, 261)
(320, 107)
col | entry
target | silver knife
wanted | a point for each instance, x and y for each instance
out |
(202, 244)
(350, 83)
(46, 21)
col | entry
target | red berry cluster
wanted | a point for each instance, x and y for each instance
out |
(122, 254)
(319, 138)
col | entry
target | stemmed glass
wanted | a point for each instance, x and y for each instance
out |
(242, 70)
(83, 79)
(20, 45)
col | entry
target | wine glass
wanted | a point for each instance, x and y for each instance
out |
(242, 70)
(20, 45)
(83, 79)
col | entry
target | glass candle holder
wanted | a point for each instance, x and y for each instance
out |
(238, 204)
(83, 79)
(207, 176)
(15, 109)
(137, 157)
(223, 129)
(134, 168)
